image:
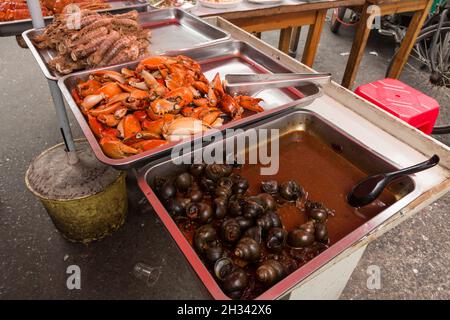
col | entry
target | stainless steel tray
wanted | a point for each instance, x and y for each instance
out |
(355, 152)
(226, 57)
(172, 29)
(16, 27)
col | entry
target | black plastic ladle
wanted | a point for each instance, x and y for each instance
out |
(370, 188)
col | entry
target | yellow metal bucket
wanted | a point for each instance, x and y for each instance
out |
(82, 218)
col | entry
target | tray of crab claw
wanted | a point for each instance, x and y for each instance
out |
(136, 112)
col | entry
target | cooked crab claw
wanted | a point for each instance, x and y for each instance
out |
(249, 103)
(109, 74)
(231, 107)
(91, 100)
(182, 128)
(110, 89)
(148, 144)
(116, 149)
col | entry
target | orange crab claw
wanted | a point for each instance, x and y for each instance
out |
(76, 96)
(105, 109)
(110, 89)
(148, 144)
(155, 63)
(116, 149)
(135, 93)
(187, 111)
(217, 85)
(96, 126)
(210, 117)
(88, 87)
(250, 103)
(154, 127)
(109, 75)
(109, 119)
(141, 115)
(92, 100)
(127, 72)
(111, 132)
(231, 107)
(202, 102)
(162, 106)
(201, 86)
(131, 126)
(182, 96)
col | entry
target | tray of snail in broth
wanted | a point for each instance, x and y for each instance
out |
(223, 58)
(17, 27)
(254, 236)
(170, 30)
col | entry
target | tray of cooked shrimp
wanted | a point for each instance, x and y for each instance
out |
(15, 17)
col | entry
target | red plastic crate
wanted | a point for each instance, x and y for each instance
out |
(403, 101)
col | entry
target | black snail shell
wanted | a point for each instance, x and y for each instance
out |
(197, 169)
(276, 239)
(230, 230)
(225, 182)
(319, 215)
(184, 181)
(235, 205)
(321, 232)
(159, 182)
(223, 268)
(207, 185)
(255, 233)
(269, 220)
(248, 249)
(174, 207)
(168, 190)
(195, 194)
(222, 191)
(244, 223)
(220, 207)
(268, 201)
(184, 201)
(308, 227)
(201, 212)
(299, 238)
(240, 186)
(270, 272)
(235, 283)
(213, 253)
(216, 171)
(290, 190)
(253, 207)
(204, 237)
(270, 186)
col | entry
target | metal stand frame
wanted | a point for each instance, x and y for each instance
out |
(38, 22)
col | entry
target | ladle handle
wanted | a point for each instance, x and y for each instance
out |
(434, 160)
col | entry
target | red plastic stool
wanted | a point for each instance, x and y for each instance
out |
(404, 102)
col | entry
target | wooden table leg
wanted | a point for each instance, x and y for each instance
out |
(294, 41)
(356, 54)
(285, 39)
(312, 41)
(408, 41)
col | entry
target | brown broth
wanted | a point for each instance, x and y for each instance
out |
(325, 175)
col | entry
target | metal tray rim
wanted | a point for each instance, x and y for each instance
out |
(150, 155)
(45, 70)
(291, 281)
